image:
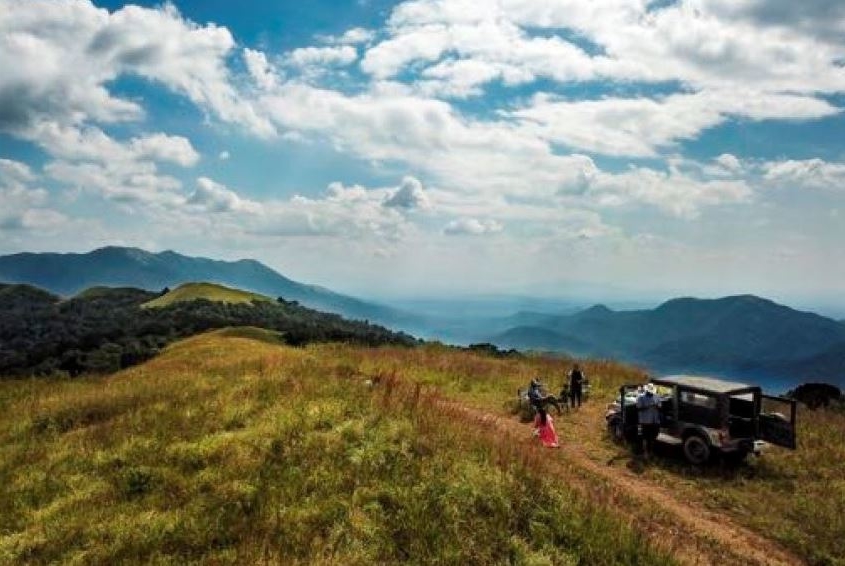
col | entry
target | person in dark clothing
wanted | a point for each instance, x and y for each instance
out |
(535, 394)
(576, 385)
(539, 399)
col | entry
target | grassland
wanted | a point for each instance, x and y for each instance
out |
(230, 448)
(233, 448)
(207, 291)
(796, 498)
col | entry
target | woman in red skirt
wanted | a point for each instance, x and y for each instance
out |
(544, 429)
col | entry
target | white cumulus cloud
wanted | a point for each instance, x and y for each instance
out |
(472, 227)
(60, 56)
(323, 56)
(805, 173)
(409, 195)
(215, 197)
(23, 206)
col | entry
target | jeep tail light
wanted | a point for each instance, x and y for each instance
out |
(724, 435)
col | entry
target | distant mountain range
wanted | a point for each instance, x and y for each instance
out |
(68, 274)
(741, 336)
(737, 336)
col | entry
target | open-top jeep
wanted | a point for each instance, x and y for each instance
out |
(708, 416)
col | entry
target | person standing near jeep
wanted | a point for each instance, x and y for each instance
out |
(648, 410)
(576, 385)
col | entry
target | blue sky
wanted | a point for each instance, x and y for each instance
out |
(429, 147)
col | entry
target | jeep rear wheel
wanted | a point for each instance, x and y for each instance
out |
(617, 431)
(696, 450)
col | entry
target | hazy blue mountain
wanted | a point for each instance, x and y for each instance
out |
(464, 320)
(739, 335)
(529, 318)
(67, 274)
(540, 338)
(819, 367)
(487, 306)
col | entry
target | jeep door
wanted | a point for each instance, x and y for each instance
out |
(628, 410)
(777, 421)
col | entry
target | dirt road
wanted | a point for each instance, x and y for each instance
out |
(693, 533)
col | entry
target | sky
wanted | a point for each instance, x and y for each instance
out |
(438, 147)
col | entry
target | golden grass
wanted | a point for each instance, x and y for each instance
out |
(794, 497)
(229, 448)
(207, 291)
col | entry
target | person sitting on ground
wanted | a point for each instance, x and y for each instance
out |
(538, 398)
(648, 410)
(544, 429)
(576, 383)
(535, 393)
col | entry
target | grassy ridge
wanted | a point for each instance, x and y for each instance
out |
(231, 449)
(208, 291)
(231, 446)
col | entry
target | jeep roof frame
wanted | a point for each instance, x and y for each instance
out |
(706, 384)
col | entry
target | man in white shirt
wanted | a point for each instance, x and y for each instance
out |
(648, 409)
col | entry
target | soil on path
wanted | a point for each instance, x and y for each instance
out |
(690, 531)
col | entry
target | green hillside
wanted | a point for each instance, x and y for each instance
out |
(208, 291)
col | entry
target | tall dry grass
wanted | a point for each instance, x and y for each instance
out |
(231, 449)
(794, 497)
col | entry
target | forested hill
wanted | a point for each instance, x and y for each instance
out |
(105, 329)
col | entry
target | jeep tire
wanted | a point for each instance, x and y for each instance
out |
(696, 450)
(617, 431)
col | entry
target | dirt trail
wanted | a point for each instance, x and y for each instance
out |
(691, 532)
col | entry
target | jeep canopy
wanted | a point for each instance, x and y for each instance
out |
(710, 384)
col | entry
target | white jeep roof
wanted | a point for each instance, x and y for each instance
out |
(706, 383)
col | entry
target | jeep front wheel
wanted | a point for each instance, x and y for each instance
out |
(696, 450)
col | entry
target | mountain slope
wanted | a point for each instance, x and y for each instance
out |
(68, 274)
(739, 334)
(540, 339)
(819, 367)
